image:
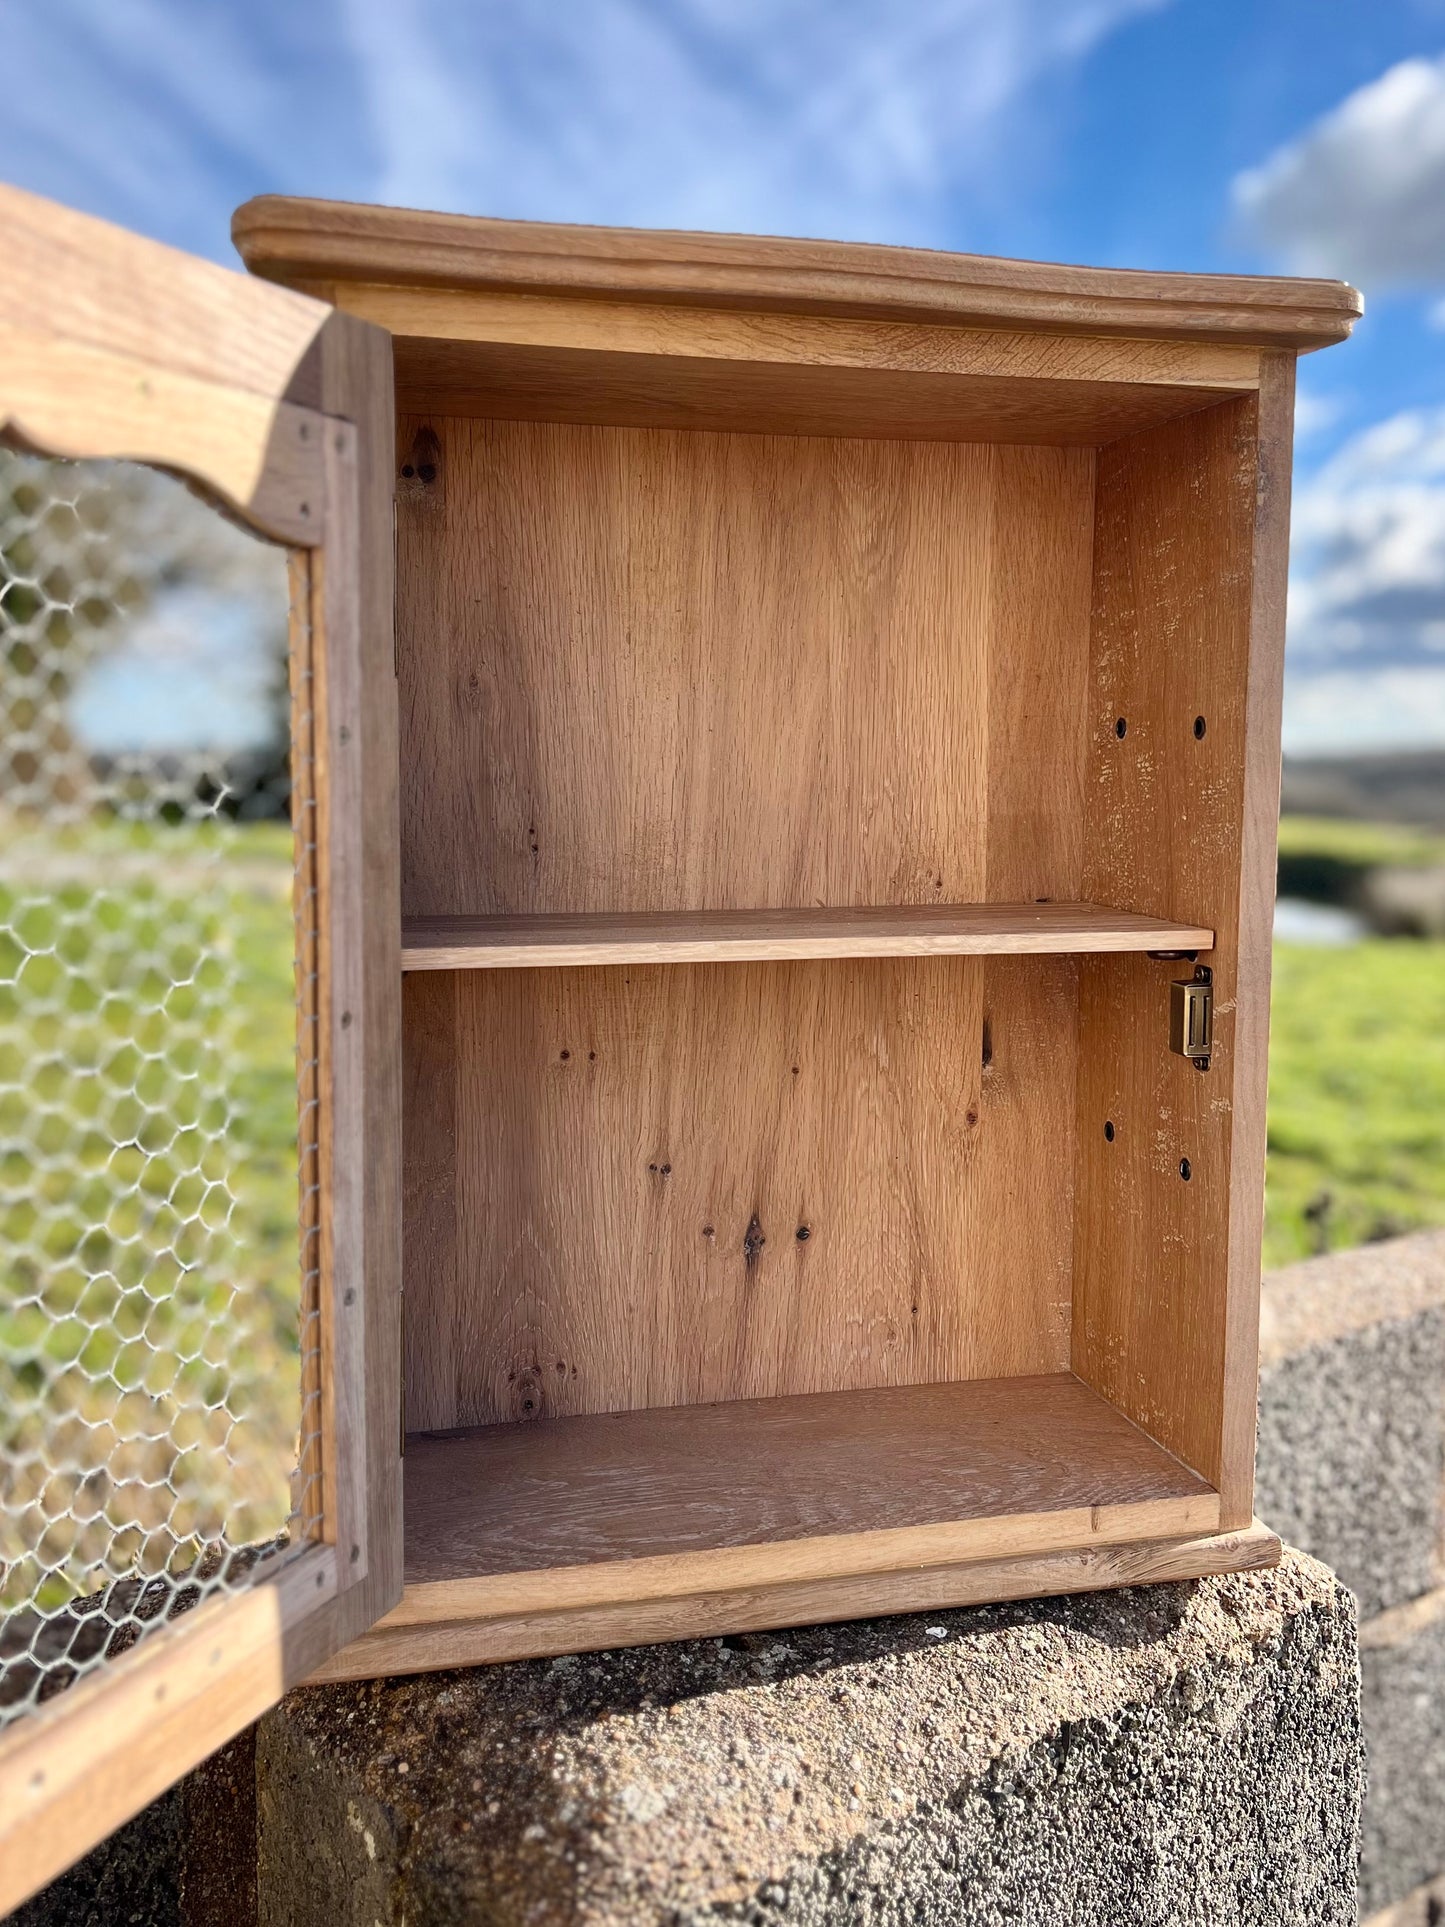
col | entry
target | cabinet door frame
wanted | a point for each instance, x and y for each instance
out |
(280, 410)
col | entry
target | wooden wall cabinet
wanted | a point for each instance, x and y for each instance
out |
(839, 699)
(781, 827)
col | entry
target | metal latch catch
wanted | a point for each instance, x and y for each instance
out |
(1191, 1016)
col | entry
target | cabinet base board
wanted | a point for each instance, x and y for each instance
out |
(410, 1640)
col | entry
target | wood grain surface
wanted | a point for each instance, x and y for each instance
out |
(1189, 571)
(664, 1185)
(333, 241)
(546, 1503)
(427, 1631)
(657, 391)
(756, 936)
(518, 358)
(646, 670)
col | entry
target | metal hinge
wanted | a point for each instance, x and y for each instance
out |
(1191, 1016)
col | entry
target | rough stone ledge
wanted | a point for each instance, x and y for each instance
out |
(1351, 1419)
(1425, 1907)
(1174, 1754)
(1402, 1663)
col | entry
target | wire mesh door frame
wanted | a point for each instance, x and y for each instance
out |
(280, 411)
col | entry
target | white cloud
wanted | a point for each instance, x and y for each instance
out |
(846, 117)
(1361, 193)
(1314, 412)
(1366, 659)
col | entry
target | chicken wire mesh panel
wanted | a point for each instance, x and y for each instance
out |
(159, 1377)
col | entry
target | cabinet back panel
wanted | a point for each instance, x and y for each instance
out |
(608, 1171)
(648, 669)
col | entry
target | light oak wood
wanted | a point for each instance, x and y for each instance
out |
(417, 1637)
(644, 670)
(763, 1490)
(317, 1449)
(86, 1762)
(153, 357)
(760, 936)
(737, 623)
(420, 319)
(111, 345)
(88, 281)
(622, 689)
(515, 357)
(1254, 930)
(1189, 586)
(353, 604)
(639, 391)
(332, 241)
(668, 1185)
(262, 458)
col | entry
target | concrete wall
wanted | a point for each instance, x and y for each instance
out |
(1170, 1756)
(1352, 1468)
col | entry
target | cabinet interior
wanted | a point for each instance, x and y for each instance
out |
(679, 1131)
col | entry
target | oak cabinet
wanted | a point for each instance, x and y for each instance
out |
(784, 765)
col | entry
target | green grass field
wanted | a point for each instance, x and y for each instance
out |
(1357, 1059)
(149, 1356)
(1356, 1094)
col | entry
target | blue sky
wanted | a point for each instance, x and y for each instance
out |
(1304, 135)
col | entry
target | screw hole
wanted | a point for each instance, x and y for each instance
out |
(804, 1232)
(1121, 728)
(1109, 1129)
(348, 1297)
(1199, 728)
(1185, 1170)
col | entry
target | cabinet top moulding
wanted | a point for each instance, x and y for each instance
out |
(328, 242)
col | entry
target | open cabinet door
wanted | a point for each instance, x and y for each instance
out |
(199, 1015)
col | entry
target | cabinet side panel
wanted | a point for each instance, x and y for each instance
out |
(680, 1184)
(1187, 654)
(354, 376)
(1259, 858)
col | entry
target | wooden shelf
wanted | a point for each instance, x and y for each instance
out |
(752, 936)
(542, 1516)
